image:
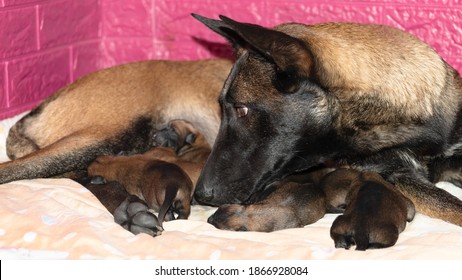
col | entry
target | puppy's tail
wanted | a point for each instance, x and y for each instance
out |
(170, 195)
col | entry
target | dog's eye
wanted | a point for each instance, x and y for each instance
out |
(241, 110)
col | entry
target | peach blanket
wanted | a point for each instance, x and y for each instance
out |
(60, 219)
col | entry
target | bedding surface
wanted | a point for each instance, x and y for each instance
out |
(60, 219)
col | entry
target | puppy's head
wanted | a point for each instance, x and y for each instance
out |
(254, 217)
(271, 111)
(179, 135)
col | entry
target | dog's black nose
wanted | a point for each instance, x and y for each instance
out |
(211, 220)
(203, 194)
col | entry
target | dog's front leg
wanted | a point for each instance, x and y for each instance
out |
(427, 198)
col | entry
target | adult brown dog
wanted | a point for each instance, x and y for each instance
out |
(113, 110)
(369, 96)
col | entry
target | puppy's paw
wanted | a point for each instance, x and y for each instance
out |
(134, 216)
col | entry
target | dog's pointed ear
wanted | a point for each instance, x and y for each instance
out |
(216, 25)
(288, 53)
(291, 56)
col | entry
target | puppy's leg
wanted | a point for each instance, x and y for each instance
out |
(110, 194)
(342, 232)
(182, 208)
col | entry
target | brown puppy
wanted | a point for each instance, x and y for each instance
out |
(113, 110)
(113, 193)
(370, 203)
(284, 205)
(149, 177)
(129, 211)
(161, 184)
(293, 202)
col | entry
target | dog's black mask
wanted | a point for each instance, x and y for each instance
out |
(275, 119)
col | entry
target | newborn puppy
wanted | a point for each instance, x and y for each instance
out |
(283, 205)
(187, 149)
(371, 204)
(129, 211)
(161, 184)
(338, 187)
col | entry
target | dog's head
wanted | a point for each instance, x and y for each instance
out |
(272, 110)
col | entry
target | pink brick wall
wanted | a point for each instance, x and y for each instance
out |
(45, 44)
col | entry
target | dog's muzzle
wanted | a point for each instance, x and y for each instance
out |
(203, 194)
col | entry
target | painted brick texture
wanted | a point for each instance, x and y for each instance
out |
(45, 44)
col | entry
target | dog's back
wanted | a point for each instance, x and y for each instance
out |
(113, 110)
(382, 75)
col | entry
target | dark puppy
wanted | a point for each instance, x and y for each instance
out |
(369, 96)
(375, 212)
(113, 192)
(187, 149)
(129, 211)
(161, 184)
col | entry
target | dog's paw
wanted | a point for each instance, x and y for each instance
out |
(133, 215)
(347, 232)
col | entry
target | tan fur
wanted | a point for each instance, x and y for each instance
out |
(351, 57)
(117, 87)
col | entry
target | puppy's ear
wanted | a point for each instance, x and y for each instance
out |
(291, 56)
(190, 138)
